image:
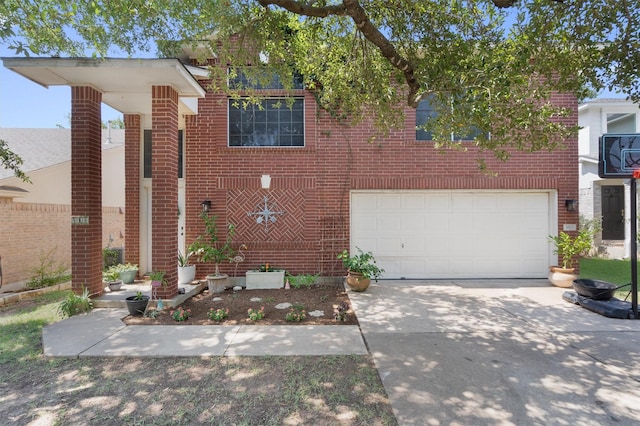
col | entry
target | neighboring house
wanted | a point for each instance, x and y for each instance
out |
(422, 213)
(36, 216)
(608, 199)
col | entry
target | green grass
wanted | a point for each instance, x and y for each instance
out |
(613, 271)
(21, 327)
(335, 390)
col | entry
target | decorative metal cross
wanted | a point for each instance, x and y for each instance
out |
(267, 214)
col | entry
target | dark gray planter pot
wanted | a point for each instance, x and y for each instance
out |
(137, 307)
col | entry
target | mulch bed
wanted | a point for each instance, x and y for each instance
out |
(325, 298)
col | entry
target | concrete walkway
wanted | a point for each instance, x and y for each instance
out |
(101, 333)
(505, 352)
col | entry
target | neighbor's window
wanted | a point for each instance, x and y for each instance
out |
(270, 122)
(621, 123)
(426, 112)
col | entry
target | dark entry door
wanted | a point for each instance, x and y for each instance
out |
(613, 212)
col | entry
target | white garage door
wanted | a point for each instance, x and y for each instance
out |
(459, 234)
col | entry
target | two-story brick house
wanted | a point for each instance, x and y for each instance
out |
(423, 213)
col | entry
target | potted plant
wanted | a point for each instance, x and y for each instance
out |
(361, 268)
(209, 248)
(127, 272)
(265, 276)
(568, 248)
(157, 278)
(186, 271)
(109, 257)
(137, 304)
(112, 277)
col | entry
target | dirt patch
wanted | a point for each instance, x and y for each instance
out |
(321, 299)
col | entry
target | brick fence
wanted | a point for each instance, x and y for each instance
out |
(28, 231)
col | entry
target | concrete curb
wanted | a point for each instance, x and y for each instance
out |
(8, 298)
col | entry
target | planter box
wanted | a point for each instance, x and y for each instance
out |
(259, 280)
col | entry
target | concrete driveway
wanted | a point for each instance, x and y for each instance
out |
(506, 352)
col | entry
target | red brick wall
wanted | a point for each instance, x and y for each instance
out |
(29, 230)
(86, 189)
(133, 173)
(164, 172)
(312, 184)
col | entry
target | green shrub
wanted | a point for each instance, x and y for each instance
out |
(302, 280)
(49, 271)
(75, 304)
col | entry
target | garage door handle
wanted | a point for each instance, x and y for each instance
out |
(402, 245)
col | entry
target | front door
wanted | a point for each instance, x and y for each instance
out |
(613, 212)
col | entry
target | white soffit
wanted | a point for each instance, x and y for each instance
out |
(125, 83)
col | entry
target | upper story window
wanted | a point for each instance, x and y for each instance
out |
(425, 112)
(264, 80)
(275, 121)
(270, 122)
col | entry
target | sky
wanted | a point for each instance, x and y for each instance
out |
(25, 104)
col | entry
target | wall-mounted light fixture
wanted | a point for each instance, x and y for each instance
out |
(265, 181)
(571, 205)
(206, 206)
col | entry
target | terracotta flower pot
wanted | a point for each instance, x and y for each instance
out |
(357, 282)
(561, 277)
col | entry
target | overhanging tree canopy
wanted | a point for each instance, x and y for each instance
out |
(487, 67)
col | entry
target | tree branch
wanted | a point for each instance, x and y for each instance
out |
(353, 9)
(306, 9)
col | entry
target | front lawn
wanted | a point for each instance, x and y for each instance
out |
(613, 271)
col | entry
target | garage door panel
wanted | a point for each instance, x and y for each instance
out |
(448, 234)
(414, 202)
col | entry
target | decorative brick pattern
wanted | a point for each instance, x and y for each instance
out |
(288, 226)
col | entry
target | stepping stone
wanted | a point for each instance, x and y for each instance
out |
(316, 313)
(256, 299)
(283, 305)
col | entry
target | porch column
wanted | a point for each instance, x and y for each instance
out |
(132, 187)
(164, 187)
(86, 190)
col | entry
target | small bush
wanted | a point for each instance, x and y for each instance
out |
(75, 304)
(302, 280)
(181, 314)
(256, 314)
(341, 313)
(296, 314)
(49, 271)
(217, 314)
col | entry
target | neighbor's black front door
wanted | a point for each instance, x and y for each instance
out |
(613, 212)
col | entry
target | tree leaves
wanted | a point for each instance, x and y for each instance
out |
(493, 66)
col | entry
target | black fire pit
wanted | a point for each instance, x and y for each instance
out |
(594, 289)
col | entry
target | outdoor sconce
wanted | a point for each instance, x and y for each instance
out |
(265, 181)
(571, 205)
(206, 206)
